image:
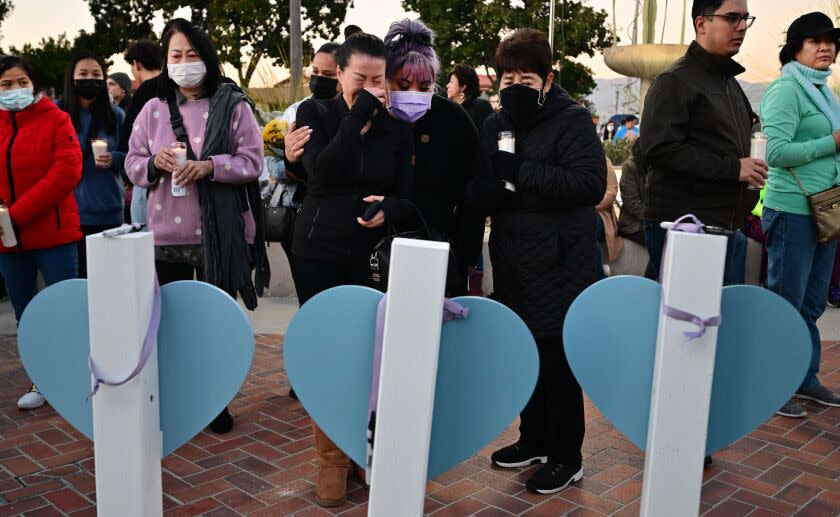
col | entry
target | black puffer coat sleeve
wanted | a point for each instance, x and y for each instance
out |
(580, 179)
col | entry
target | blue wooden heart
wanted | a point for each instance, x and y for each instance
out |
(763, 352)
(487, 370)
(205, 347)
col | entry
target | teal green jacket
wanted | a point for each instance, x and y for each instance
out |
(799, 138)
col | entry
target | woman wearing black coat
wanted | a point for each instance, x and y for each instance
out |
(463, 88)
(541, 242)
(358, 154)
(445, 148)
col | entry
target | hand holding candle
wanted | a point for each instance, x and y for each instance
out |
(101, 156)
(507, 143)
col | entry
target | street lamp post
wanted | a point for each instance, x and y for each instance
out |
(295, 48)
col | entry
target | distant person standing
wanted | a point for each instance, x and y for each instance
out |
(696, 141)
(100, 194)
(609, 131)
(42, 165)
(146, 60)
(463, 88)
(802, 120)
(628, 131)
(119, 86)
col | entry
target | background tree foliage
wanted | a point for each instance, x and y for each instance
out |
(6, 8)
(468, 31)
(244, 31)
(49, 58)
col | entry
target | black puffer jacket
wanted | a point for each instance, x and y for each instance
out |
(542, 240)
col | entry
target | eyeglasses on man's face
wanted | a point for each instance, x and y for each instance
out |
(734, 19)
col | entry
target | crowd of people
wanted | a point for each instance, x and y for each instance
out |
(375, 153)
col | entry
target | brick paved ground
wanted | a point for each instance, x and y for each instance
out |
(266, 466)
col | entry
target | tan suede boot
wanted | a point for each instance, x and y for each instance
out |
(333, 467)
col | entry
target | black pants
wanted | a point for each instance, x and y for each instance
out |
(90, 229)
(553, 420)
(168, 272)
(313, 276)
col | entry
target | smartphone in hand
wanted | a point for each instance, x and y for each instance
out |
(371, 211)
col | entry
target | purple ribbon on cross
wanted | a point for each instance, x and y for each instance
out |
(689, 224)
(451, 311)
(146, 352)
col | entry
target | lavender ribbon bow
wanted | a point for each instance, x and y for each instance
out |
(689, 224)
(146, 352)
(451, 311)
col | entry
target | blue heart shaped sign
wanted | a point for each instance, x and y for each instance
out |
(763, 352)
(487, 370)
(205, 347)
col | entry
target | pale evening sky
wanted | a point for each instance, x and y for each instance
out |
(32, 20)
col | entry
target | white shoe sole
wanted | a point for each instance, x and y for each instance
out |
(30, 402)
(791, 415)
(577, 477)
(818, 401)
(527, 463)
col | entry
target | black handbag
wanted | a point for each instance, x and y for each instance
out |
(380, 259)
(279, 221)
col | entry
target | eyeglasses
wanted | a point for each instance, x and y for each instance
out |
(734, 19)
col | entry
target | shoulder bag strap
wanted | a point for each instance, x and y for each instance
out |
(177, 122)
(795, 177)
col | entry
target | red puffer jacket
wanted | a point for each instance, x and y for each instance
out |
(40, 166)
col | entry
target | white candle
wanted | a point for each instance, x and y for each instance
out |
(180, 152)
(100, 147)
(8, 238)
(180, 155)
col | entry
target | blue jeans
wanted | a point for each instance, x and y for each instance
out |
(138, 205)
(21, 272)
(600, 237)
(799, 270)
(736, 254)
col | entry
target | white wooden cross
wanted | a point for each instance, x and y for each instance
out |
(692, 280)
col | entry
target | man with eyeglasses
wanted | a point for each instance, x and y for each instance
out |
(696, 137)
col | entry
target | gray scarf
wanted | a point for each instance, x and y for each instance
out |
(227, 255)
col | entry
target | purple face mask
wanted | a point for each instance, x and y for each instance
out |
(409, 106)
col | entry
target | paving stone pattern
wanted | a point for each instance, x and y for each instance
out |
(267, 466)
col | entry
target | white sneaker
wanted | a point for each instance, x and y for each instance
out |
(31, 400)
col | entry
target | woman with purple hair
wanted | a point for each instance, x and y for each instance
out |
(445, 146)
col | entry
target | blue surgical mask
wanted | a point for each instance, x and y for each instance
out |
(17, 99)
(409, 106)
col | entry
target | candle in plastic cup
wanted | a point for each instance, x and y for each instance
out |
(180, 151)
(8, 238)
(99, 147)
(758, 150)
(507, 142)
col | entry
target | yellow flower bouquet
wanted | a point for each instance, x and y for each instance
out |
(274, 136)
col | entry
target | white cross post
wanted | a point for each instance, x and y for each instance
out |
(411, 342)
(126, 419)
(682, 379)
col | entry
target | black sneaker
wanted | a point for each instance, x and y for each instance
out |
(223, 423)
(707, 462)
(517, 455)
(819, 394)
(791, 410)
(553, 477)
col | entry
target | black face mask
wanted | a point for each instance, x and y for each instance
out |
(521, 103)
(323, 87)
(90, 88)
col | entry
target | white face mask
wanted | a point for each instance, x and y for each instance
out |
(187, 75)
